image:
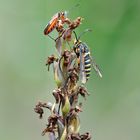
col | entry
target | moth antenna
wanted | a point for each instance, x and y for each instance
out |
(75, 35)
(76, 5)
(87, 30)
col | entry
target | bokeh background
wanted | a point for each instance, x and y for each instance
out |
(112, 112)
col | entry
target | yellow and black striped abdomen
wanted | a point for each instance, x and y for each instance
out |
(87, 63)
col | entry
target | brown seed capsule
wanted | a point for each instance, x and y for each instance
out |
(50, 60)
(57, 94)
(75, 23)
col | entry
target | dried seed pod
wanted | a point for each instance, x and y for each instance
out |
(85, 136)
(74, 137)
(51, 59)
(57, 93)
(64, 134)
(67, 35)
(73, 124)
(39, 110)
(75, 23)
(65, 105)
(58, 75)
(82, 91)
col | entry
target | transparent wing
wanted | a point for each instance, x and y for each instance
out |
(96, 67)
(59, 45)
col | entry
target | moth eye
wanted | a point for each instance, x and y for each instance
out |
(59, 14)
(63, 13)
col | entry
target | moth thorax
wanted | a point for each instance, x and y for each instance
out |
(77, 42)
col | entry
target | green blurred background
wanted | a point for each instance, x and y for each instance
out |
(112, 112)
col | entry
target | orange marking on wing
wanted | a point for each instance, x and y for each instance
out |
(50, 26)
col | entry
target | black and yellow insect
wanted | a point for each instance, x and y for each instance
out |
(85, 59)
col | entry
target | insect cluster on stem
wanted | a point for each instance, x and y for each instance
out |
(71, 70)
